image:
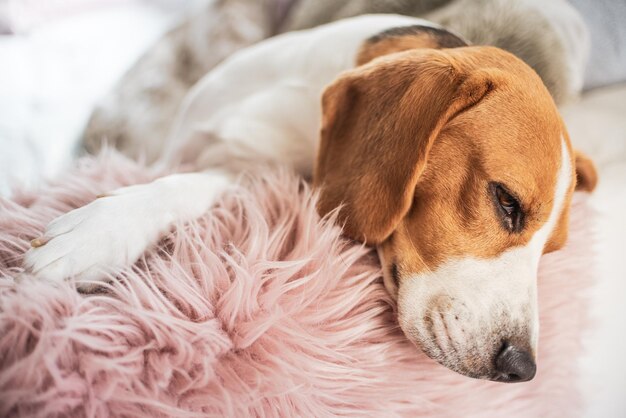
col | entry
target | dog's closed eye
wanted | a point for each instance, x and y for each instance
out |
(508, 208)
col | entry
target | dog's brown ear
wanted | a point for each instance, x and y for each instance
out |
(586, 175)
(379, 122)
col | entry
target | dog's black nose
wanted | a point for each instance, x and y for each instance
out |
(514, 365)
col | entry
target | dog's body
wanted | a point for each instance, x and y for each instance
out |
(453, 162)
(275, 115)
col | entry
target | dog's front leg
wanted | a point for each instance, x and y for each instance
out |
(113, 231)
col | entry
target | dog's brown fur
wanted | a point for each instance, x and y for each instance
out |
(438, 126)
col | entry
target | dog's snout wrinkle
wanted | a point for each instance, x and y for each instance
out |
(442, 334)
(514, 364)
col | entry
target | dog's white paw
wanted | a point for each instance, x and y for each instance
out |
(112, 232)
(102, 237)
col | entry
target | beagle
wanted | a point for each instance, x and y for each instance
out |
(451, 159)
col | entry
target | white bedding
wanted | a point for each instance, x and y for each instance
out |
(597, 125)
(51, 74)
(51, 77)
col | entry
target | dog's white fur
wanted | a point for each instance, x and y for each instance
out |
(270, 112)
(262, 106)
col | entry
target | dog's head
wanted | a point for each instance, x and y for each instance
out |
(456, 164)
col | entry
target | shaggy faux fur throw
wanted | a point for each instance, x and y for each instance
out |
(259, 308)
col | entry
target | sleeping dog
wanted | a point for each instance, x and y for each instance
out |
(451, 159)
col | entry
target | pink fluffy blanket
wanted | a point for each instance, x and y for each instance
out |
(257, 309)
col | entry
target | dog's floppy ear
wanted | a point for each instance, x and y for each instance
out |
(586, 175)
(379, 122)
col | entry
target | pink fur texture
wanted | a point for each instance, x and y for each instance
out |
(257, 309)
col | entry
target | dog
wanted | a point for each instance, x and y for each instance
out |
(452, 160)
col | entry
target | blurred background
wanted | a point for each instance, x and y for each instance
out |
(58, 58)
